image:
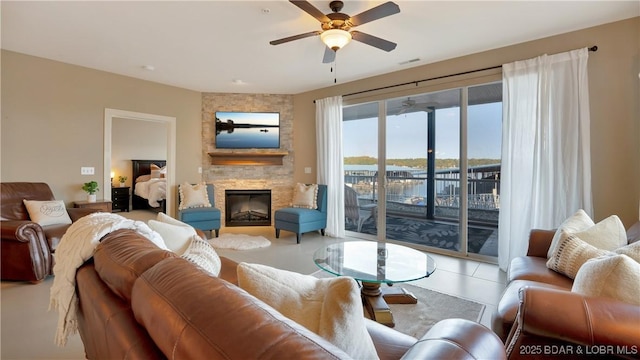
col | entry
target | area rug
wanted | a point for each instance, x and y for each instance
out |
(432, 306)
(239, 242)
(430, 233)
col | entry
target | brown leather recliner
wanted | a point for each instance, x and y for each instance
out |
(26, 247)
(539, 317)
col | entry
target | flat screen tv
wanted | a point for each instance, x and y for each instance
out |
(247, 130)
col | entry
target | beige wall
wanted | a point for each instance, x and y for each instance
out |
(52, 114)
(53, 120)
(614, 101)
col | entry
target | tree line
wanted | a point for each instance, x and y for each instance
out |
(418, 163)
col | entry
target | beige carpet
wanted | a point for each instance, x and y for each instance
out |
(432, 306)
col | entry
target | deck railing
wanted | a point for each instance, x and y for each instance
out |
(407, 195)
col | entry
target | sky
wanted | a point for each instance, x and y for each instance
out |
(407, 134)
(250, 117)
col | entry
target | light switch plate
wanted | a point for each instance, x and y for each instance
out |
(307, 170)
(87, 170)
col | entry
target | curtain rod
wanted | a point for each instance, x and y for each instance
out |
(593, 48)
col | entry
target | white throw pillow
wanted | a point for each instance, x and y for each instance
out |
(305, 196)
(571, 253)
(576, 222)
(193, 196)
(169, 220)
(614, 277)
(52, 212)
(176, 237)
(203, 255)
(608, 234)
(632, 250)
(331, 308)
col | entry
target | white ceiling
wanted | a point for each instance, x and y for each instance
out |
(207, 45)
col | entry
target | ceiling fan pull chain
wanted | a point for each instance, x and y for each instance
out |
(335, 73)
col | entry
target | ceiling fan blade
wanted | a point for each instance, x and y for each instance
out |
(374, 41)
(378, 12)
(295, 37)
(329, 55)
(311, 10)
(402, 111)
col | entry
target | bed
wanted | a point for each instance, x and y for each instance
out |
(149, 190)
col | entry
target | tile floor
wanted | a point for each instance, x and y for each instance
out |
(28, 328)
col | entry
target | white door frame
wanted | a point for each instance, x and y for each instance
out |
(109, 115)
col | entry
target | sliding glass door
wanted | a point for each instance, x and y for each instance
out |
(360, 148)
(424, 169)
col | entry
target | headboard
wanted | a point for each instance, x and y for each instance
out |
(141, 167)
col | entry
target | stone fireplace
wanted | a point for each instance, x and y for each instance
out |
(247, 207)
(246, 169)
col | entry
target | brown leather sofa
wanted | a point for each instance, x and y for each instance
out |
(26, 247)
(137, 301)
(539, 317)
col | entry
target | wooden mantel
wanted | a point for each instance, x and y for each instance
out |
(247, 158)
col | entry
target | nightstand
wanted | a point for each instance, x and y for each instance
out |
(120, 198)
(101, 205)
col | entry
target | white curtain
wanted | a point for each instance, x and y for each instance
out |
(330, 160)
(546, 162)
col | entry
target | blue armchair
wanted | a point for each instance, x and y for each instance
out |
(204, 218)
(300, 220)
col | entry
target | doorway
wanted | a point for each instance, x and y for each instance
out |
(170, 122)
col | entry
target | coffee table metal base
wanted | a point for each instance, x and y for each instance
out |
(376, 300)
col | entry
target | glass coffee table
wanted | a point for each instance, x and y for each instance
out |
(373, 263)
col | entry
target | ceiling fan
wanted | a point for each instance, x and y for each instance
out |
(411, 105)
(336, 25)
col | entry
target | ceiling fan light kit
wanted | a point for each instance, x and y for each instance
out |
(335, 39)
(336, 27)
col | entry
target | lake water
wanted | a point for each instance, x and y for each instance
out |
(259, 138)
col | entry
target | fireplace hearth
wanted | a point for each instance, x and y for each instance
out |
(247, 207)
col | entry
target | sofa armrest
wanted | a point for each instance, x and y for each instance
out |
(77, 213)
(25, 253)
(389, 343)
(550, 316)
(540, 242)
(457, 339)
(21, 231)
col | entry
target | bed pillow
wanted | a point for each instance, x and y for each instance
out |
(155, 171)
(51, 212)
(305, 196)
(614, 277)
(330, 307)
(576, 222)
(202, 254)
(176, 237)
(571, 253)
(193, 196)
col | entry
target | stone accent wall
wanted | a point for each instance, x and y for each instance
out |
(278, 178)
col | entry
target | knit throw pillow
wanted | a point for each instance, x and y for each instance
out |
(203, 255)
(571, 253)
